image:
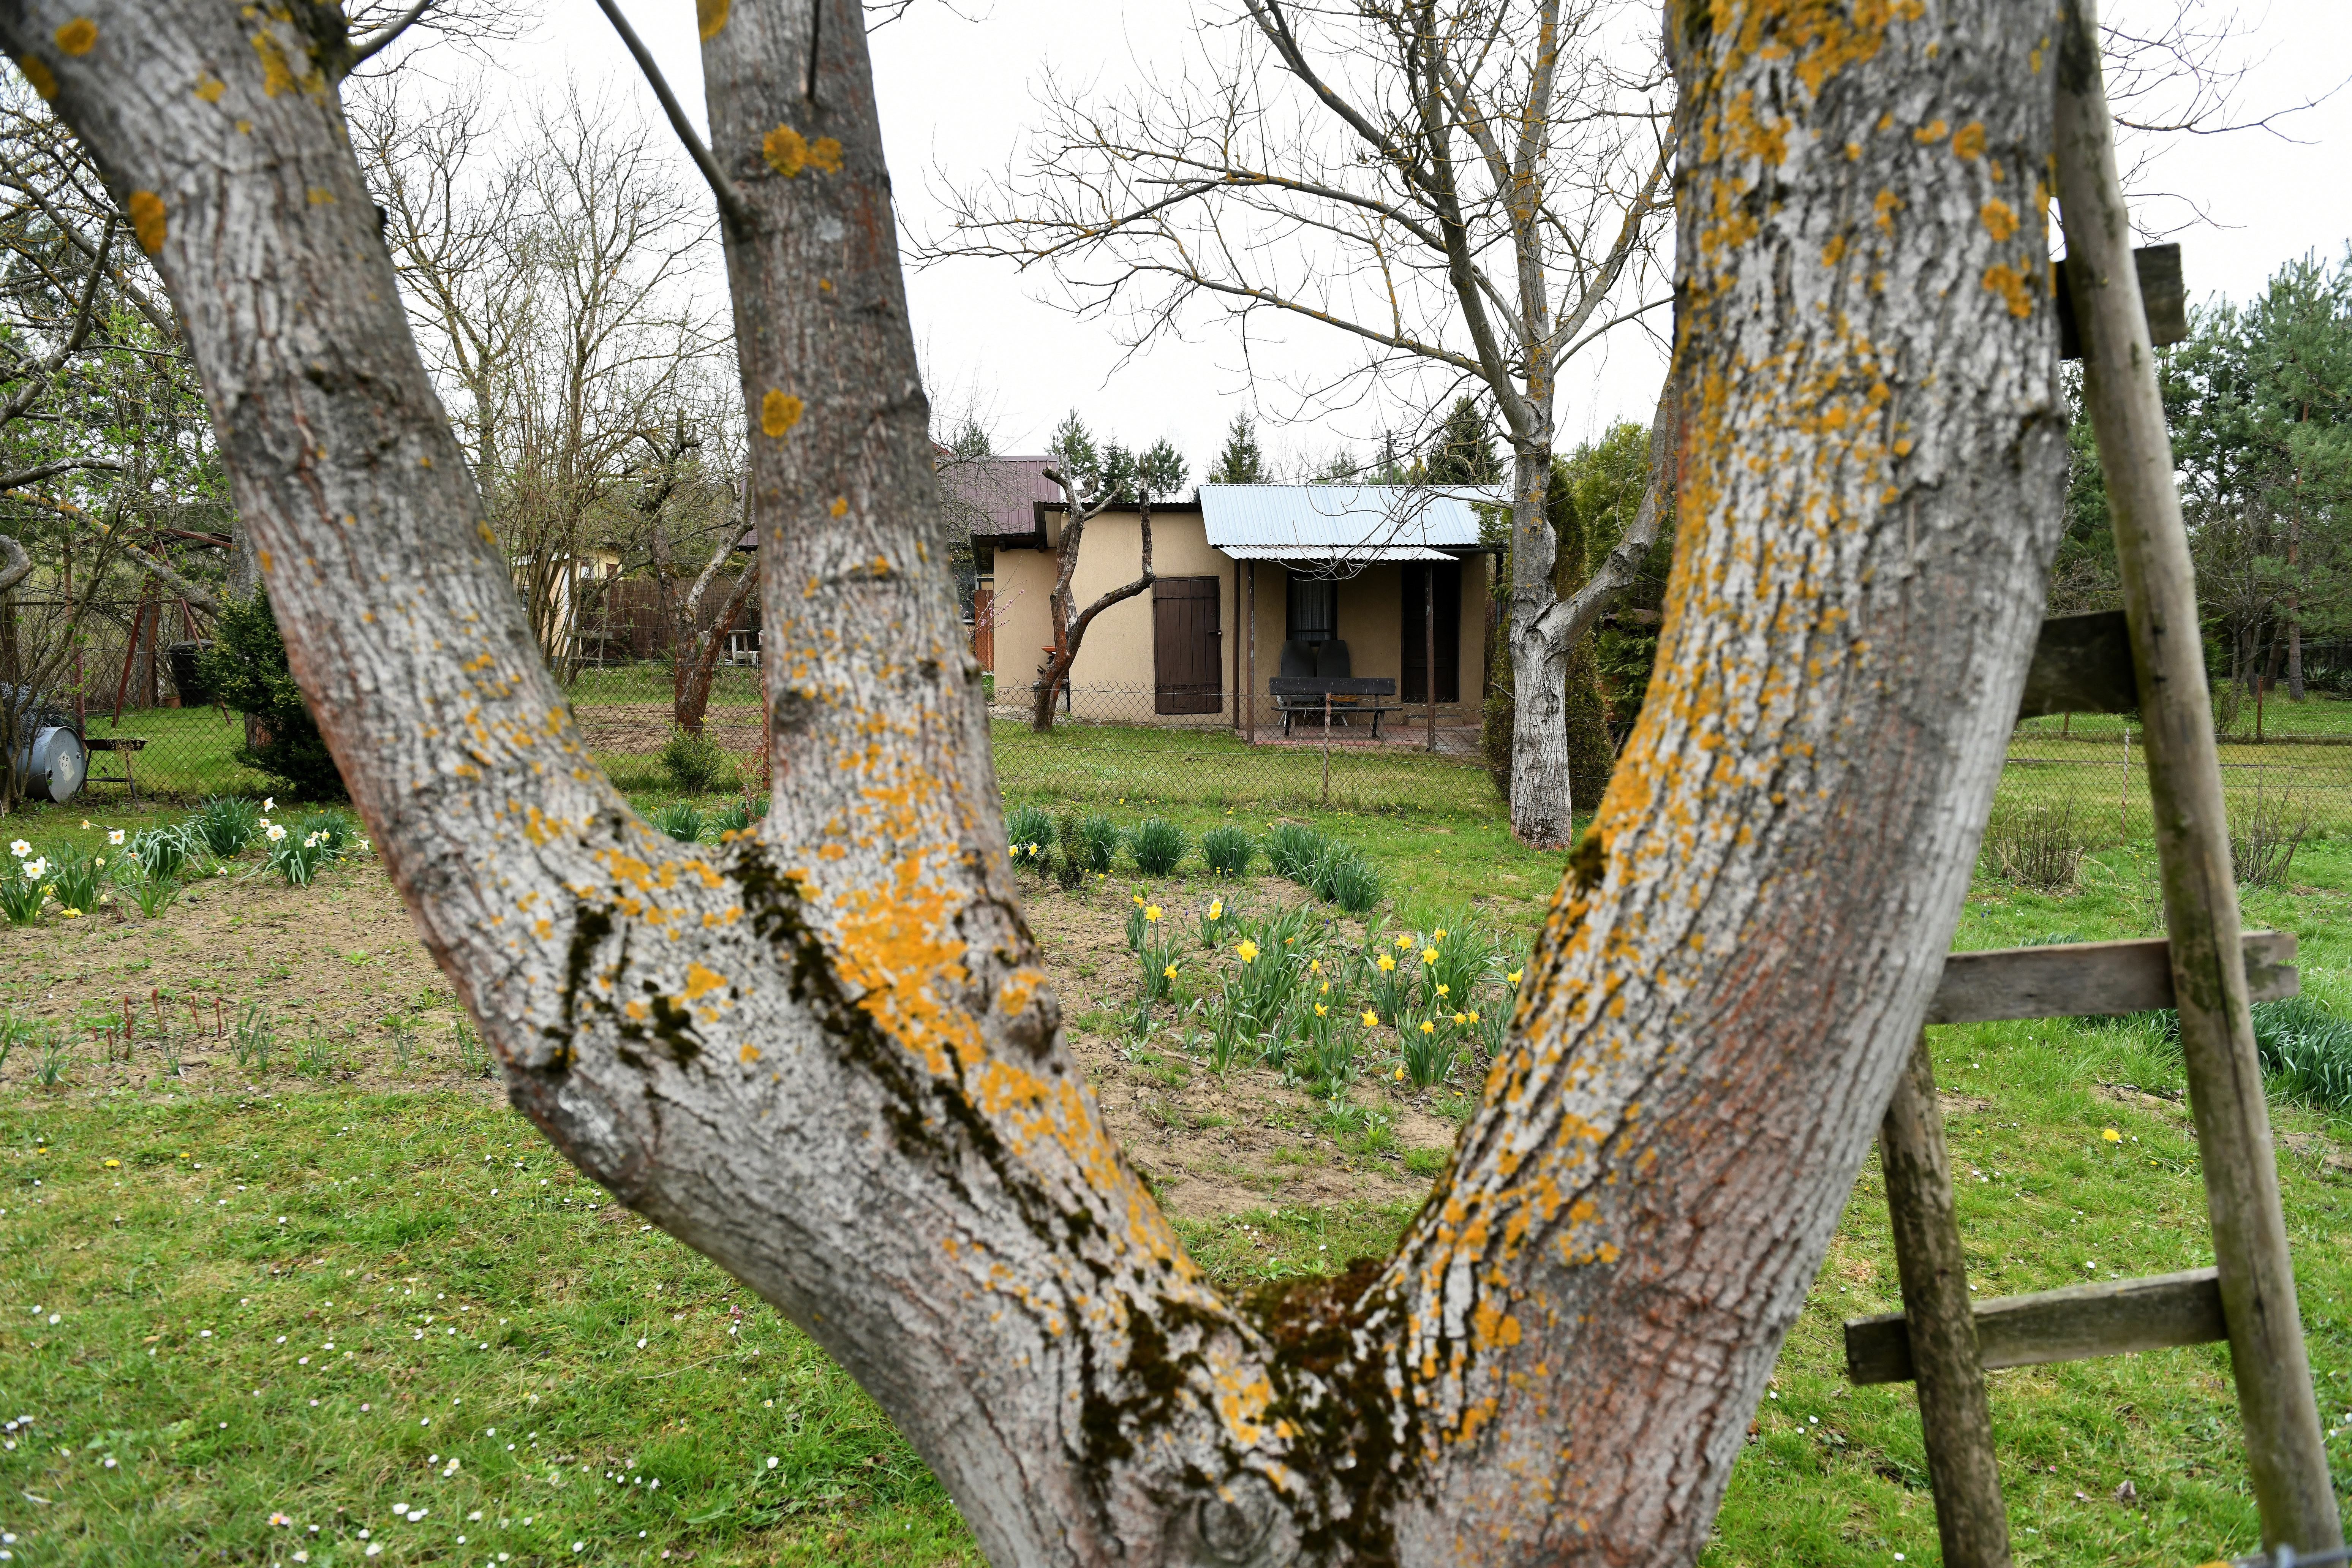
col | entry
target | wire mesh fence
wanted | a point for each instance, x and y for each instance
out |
(1141, 745)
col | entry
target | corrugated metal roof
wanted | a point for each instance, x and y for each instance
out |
(1351, 553)
(1003, 494)
(1347, 523)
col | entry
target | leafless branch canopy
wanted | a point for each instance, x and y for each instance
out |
(1466, 187)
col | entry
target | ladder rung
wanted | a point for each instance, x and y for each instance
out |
(2091, 979)
(2082, 664)
(2158, 1312)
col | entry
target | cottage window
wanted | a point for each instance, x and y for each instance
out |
(1314, 611)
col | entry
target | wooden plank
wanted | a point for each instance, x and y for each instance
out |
(2164, 296)
(2091, 979)
(2082, 664)
(1315, 686)
(1939, 1327)
(2113, 1318)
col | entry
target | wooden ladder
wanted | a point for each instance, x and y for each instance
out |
(2147, 657)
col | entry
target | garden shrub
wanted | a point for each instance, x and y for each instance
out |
(695, 763)
(2039, 846)
(2264, 837)
(1098, 838)
(1227, 851)
(1158, 845)
(1070, 870)
(244, 667)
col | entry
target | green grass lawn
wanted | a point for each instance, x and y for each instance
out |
(473, 1302)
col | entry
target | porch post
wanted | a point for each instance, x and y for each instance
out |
(1429, 644)
(1249, 686)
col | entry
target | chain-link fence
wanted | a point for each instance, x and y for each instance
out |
(1138, 745)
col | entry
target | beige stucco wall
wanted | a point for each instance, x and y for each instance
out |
(1113, 675)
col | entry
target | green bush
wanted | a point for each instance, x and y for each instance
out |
(1098, 838)
(695, 763)
(1227, 851)
(1158, 845)
(244, 667)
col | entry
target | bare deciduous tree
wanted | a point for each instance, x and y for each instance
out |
(551, 274)
(824, 1054)
(1463, 188)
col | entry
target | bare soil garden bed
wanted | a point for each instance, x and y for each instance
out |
(351, 999)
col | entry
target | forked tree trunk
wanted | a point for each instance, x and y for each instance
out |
(826, 1057)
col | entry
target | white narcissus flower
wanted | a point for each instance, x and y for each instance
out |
(37, 869)
(19, 848)
(269, 802)
(276, 833)
(114, 835)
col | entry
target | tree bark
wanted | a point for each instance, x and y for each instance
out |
(826, 1056)
(1069, 634)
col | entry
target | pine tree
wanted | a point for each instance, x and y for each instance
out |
(1241, 463)
(1463, 451)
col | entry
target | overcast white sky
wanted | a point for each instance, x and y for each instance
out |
(955, 93)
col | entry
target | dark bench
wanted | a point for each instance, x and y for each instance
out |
(124, 748)
(1305, 696)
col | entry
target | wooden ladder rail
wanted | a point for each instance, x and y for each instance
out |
(2212, 975)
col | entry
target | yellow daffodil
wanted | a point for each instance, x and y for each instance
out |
(1404, 942)
(1217, 908)
(1439, 936)
(1314, 966)
(73, 914)
(1169, 972)
(1387, 963)
(1324, 989)
(1428, 956)
(1321, 1010)
(1248, 951)
(1371, 1019)
(1473, 1014)
(1427, 1028)
(1446, 990)
(1151, 912)
(1460, 1018)
(1139, 900)
(1514, 975)
(1400, 1074)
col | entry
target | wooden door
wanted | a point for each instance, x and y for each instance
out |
(983, 627)
(1412, 686)
(1187, 670)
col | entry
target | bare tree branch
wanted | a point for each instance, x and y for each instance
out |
(367, 48)
(730, 200)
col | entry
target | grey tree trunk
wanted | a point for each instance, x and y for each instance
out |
(826, 1057)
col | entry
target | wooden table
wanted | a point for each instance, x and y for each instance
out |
(124, 747)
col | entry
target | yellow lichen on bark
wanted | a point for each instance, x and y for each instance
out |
(710, 18)
(37, 71)
(779, 412)
(787, 152)
(148, 221)
(78, 37)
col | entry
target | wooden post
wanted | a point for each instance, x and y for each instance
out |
(1249, 682)
(1327, 750)
(2284, 1450)
(1953, 1414)
(1429, 645)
